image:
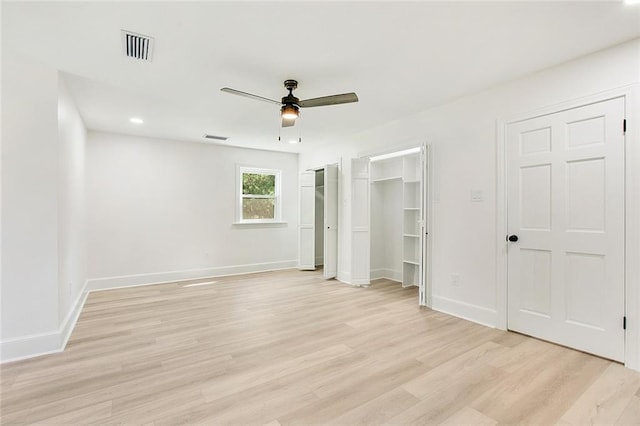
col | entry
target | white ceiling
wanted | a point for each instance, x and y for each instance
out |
(400, 58)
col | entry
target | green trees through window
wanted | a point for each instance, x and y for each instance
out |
(258, 184)
(259, 194)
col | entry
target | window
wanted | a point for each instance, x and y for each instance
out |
(258, 195)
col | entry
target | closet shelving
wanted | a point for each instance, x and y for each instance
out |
(412, 223)
(399, 181)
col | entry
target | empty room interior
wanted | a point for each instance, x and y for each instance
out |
(320, 213)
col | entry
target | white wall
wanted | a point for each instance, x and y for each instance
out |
(463, 139)
(29, 203)
(43, 252)
(72, 250)
(161, 210)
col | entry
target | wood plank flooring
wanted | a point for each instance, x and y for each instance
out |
(289, 348)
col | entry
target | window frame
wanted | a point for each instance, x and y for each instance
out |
(277, 197)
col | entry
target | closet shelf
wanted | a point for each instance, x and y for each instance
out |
(411, 235)
(411, 181)
(411, 262)
(412, 208)
(386, 179)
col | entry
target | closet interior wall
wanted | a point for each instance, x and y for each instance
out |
(386, 219)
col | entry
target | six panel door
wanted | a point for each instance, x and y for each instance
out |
(565, 202)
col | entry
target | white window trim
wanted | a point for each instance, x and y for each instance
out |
(240, 170)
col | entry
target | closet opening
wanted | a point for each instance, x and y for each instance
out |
(318, 227)
(398, 218)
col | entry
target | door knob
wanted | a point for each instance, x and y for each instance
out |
(512, 238)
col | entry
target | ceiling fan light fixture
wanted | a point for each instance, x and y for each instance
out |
(290, 111)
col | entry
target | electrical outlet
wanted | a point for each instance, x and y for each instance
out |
(455, 280)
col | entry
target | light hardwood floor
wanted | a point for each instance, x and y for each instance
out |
(290, 348)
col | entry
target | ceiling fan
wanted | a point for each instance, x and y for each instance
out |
(290, 105)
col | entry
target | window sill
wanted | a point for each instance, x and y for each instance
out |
(274, 223)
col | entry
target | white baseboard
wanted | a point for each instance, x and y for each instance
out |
(389, 274)
(30, 346)
(69, 322)
(345, 278)
(42, 344)
(360, 283)
(108, 283)
(468, 311)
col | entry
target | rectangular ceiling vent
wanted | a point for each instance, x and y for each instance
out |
(137, 46)
(215, 138)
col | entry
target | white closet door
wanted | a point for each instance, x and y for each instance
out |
(306, 230)
(566, 207)
(360, 233)
(330, 221)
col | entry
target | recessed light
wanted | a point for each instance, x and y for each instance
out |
(136, 120)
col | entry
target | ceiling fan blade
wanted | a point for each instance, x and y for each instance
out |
(249, 95)
(288, 122)
(344, 98)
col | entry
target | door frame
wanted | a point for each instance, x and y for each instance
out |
(631, 96)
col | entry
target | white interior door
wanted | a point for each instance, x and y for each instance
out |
(565, 201)
(330, 221)
(306, 230)
(360, 231)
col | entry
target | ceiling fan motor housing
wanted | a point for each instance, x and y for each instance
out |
(290, 99)
(290, 84)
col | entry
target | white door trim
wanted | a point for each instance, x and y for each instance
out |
(631, 95)
(427, 196)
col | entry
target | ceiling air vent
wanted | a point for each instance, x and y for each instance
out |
(215, 138)
(137, 46)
